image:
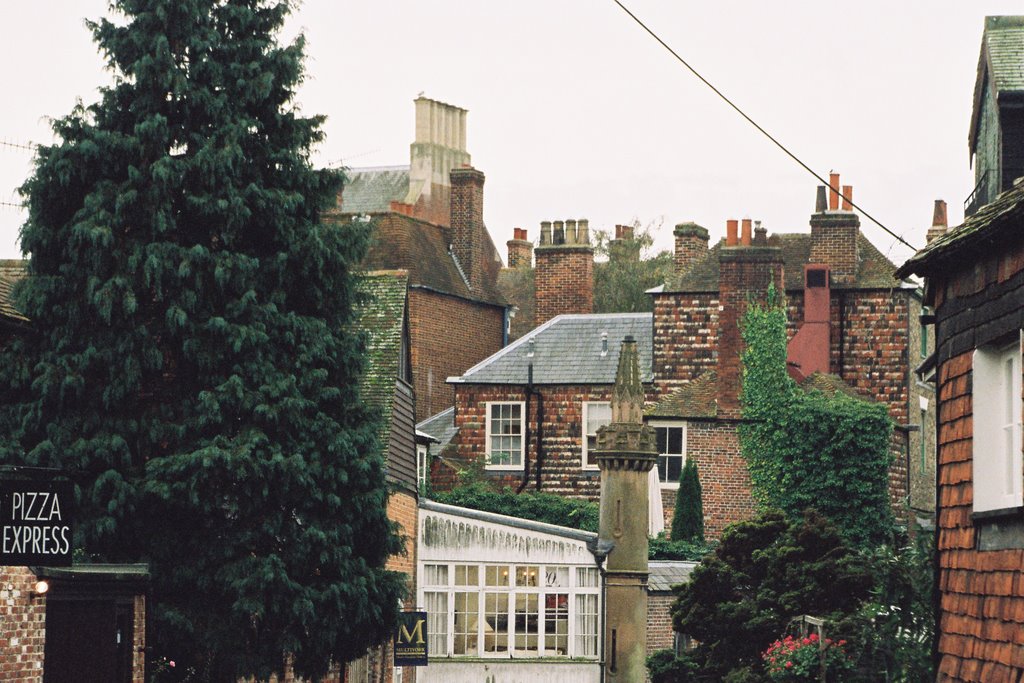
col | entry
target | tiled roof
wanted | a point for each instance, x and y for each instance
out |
(664, 574)
(10, 272)
(371, 190)
(1005, 39)
(693, 399)
(568, 349)
(517, 284)
(421, 248)
(981, 229)
(441, 427)
(381, 316)
(830, 385)
(874, 270)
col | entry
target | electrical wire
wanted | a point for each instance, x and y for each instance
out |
(15, 145)
(752, 122)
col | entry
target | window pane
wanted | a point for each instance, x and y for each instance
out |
(496, 575)
(675, 440)
(527, 622)
(556, 577)
(495, 622)
(586, 577)
(556, 624)
(527, 576)
(674, 468)
(586, 626)
(467, 621)
(435, 575)
(467, 575)
(437, 623)
(661, 437)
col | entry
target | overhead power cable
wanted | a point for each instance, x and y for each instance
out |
(15, 145)
(752, 122)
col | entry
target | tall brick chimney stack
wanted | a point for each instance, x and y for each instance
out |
(467, 223)
(746, 267)
(835, 231)
(623, 247)
(439, 147)
(520, 249)
(939, 221)
(691, 246)
(564, 271)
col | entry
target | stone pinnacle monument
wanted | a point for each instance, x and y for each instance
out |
(626, 453)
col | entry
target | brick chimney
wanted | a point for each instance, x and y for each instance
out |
(835, 231)
(808, 350)
(467, 223)
(939, 221)
(623, 247)
(745, 271)
(564, 271)
(439, 147)
(691, 246)
(520, 249)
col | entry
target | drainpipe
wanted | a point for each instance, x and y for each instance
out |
(842, 333)
(526, 444)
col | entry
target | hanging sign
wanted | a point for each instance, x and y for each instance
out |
(411, 639)
(35, 523)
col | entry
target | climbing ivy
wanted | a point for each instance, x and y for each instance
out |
(808, 449)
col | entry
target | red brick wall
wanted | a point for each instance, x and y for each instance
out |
(724, 478)
(691, 244)
(659, 621)
(22, 627)
(834, 241)
(448, 335)
(561, 470)
(469, 238)
(685, 338)
(564, 281)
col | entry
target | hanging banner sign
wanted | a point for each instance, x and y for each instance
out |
(35, 523)
(411, 639)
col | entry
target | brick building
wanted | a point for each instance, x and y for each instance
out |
(975, 281)
(428, 221)
(853, 328)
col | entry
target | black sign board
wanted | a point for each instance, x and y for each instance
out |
(411, 639)
(35, 523)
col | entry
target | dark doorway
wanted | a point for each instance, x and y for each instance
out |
(88, 641)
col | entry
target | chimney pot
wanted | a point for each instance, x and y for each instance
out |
(745, 236)
(760, 235)
(583, 231)
(558, 233)
(847, 197)
(731, 230)
(570, 232)
(833, 195)
(545, 233)
(820, 201)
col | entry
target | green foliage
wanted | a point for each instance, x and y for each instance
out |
(540, 507)
(809, 449)
(665, 666)
(688, 516)
(764, 573)
(621, 281)
(191, 363)
(800, 660)
(660, 548)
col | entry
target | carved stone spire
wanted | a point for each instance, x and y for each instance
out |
(625, 453)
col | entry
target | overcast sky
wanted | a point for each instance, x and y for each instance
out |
(575, 112)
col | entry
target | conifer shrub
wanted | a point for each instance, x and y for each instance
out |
(688, 516)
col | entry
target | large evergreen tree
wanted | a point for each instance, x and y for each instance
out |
(192, 365)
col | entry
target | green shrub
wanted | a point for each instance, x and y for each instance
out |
(661, 548)
(665, 667)
(539, 507)
(688, 516)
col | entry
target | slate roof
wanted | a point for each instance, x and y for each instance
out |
(694, 399)
(371, 190)
(10, 272)
(1001, 63)
(873, 272)
(981, 231)
(568, 350)
(441, 427)
(667, 573)
(381, 316)
(401, 242)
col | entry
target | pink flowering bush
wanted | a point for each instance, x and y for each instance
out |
(797, 660)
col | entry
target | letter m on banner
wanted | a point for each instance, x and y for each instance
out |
(411, 639)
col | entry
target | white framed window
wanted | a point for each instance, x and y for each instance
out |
(998, 463)
(671, 441)
(505, 435)
(518, 611)
(421, 468)
(596, 414)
